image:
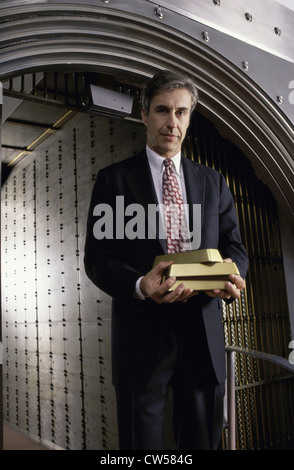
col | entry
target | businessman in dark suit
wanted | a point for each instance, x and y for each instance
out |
(163, 338)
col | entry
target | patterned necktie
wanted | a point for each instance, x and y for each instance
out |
(174, 211)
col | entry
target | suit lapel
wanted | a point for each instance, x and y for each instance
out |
(194, 190)
(140, 182)
(193, 181)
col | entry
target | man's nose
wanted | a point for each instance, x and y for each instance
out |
(171, 122)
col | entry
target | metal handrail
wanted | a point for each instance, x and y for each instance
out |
(231, 350)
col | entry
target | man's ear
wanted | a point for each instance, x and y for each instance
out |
(144, 117)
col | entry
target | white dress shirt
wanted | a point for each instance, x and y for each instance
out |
(157, 167)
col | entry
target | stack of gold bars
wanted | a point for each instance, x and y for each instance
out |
(198, 269)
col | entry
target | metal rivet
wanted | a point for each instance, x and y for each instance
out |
(216, 2)
(278, 32)
(245, 65)
(248, 17)
(279, 99)
(205, 36)
(105, 1)
(158, 12)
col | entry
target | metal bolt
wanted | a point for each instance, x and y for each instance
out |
(158, 12)
(248, 17)
(205, 36)
(216, 2)
(105, 1)
(245, 65)
(278, 32)
(280, 99)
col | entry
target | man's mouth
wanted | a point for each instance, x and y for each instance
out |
(170, 136)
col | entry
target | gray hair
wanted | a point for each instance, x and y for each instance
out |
(167, 80)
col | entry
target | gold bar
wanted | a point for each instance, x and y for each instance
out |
(195, 270)
(203, 275)
(193, 256)
(200, 284)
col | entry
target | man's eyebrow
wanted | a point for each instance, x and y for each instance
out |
(160, 106)
(183, 108)
(165, 106)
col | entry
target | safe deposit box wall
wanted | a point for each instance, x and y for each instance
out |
(56, 324)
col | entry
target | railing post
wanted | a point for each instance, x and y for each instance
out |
(231, 399)
(231, 407)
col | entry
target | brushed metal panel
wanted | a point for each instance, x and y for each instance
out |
(32, 359)
(93, 410)
(33, 390)
(73, 364)
(74, 401)
(32, 376)
(57, 345)
(45, 377)
(74, 382)
(45, 362)
(31, 345)
(104, 339)
(21, 340)
(90, 339)
(106, 368)
(89, 305)
(71, 335)
(105, 307)
(44, 335)
(251, 22)
(58, 379)
(92, 385)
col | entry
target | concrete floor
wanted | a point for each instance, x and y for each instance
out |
(13, 440)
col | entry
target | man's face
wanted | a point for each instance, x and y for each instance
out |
(167, 121)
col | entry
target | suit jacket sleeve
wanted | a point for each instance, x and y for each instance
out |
(102, 257)
(230, 243)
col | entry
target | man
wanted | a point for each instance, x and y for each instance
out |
(163, 338)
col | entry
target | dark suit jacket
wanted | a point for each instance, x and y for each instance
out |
(114, 265)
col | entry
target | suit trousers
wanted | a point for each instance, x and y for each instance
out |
(197, 408)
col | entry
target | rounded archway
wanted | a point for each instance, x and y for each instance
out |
(127, 41)
(132, 45)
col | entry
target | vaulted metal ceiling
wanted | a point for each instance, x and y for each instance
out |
(38, 105)
(238, 52)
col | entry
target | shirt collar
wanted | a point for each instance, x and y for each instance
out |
(156, 161)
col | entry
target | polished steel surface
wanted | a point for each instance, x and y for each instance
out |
(265, 25)
(245, 88)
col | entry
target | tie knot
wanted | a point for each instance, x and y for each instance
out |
(167, 162)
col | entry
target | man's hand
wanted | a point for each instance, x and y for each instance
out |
(233, 289)
(152, 287)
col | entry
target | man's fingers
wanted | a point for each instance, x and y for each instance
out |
(166, 285)
(177, 295)
(161, 266)
(238, 281)
(162, 293)
(232, 289)
(152, 286)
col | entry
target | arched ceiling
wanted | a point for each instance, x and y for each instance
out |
(245, 87)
